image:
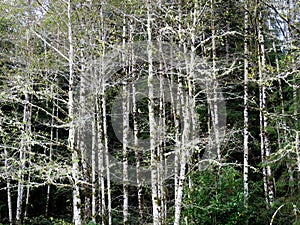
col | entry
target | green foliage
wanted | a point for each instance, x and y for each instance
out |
(92, 223)
(216, 197)
(41, 220)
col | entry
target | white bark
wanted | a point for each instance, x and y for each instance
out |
(265, 143)
(183, 159)
(94, 150)
(215, 110)
(81, 135)
(177, 111)
(152, 123)
(24, 146)
(190, 121)
(137, 153)
(160, 149)
(101, 131)
(27, 196)
(8, 187)
(135, 132)
(125, 111)
(50, 155)
(29, 136)
(161, 139)
(297, 140)
(22, 158)
(71, 139)
(246, 134)
(8, 178)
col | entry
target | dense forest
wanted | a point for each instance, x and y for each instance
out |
(149, 112)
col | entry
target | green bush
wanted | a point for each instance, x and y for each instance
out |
(216, 198)
(41, 220)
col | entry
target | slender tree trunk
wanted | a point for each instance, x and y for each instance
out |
(185, 108)
(137, 155)
(183, 156)
(215, 110)
(262, 145)
(265, 143)
(29, 134)
(107, 164)
(27, 197)
(107, 209)
(81, 137)
(8, 187)
(101, 130)
(71, 139)
(94, 161)
(161, 136)
(179, 158)
(246, 134)
(177, 111)
(8, 176)
(161, 146)
(213, 92)
(25, 145)
(136, 131)
(101, 164)
(125, 111)
(22, 158)
(125, 106)
(189, 126)
(191, 81)
(297, 140)
(152, 123)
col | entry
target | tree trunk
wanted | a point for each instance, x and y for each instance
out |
(101, 164)
(265, 143)
(297, 140)
(214, 102)
(101, 129)
(71, 139)
(8, 187)
(22, 158)
(246, 134)
(136, 131)
(152, 124)
(183, 157)
(108, 180)
(125, 112)
(94, 161)
(81, 136)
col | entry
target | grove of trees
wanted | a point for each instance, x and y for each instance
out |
(149, 112)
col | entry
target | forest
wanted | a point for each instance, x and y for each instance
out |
(149, 112)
